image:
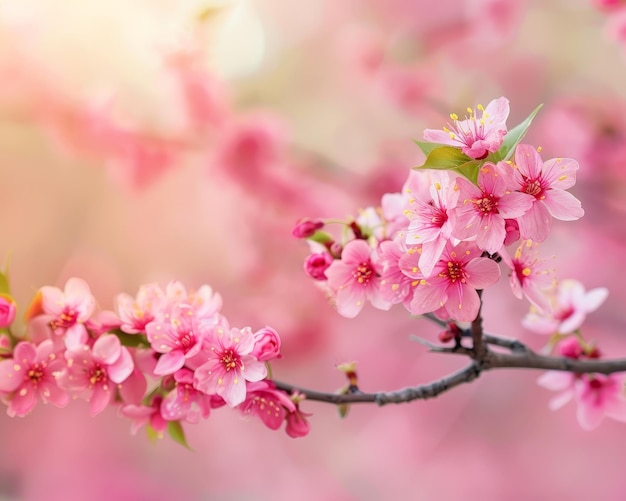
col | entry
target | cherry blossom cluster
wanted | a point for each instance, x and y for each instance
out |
(478, 208)
(166, 356)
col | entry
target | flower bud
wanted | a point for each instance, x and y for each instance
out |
(7, 310)
(316, 265)
(266, 344)
(512, 231)
(297, 424)
(306, 228)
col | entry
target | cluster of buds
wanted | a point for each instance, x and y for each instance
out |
(166, 356)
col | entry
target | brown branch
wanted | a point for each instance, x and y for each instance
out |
(476, 330)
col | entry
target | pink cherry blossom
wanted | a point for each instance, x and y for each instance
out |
(184, 402)
(7, 310)
(530, 276)
(432, 221)
(145, 414)
(297, 423)
(454, 281)
(266, 344)
(546, 182)
(600, 395)
(484, 208)
(178, 337)
(316, 265)
(136, 312)
(32, 372)
(68, 310)
(355, 278)
(479, 134)
(400, 272)
(230, 364)
(267, 403)
(93, 373)
(568, 309)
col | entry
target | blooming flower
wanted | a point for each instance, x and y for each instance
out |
(530, 275)
(93, 373)
(230, 364)
(546, 182)
(453, 283)
(185, 402)
(484, 208)
(432, 222)
(267, 403)
(145, 414)
(136, 312)
(477, 135)
(177, 337)
(32, 372)
(568, 309)
(69, 310)
(354, 278)
(397, 282)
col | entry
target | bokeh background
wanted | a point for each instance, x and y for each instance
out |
(151, 140)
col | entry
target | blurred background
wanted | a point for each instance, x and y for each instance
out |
(181, 139)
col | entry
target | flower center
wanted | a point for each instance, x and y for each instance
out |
(454, 272)
(186, 340)
(35, 373)
(97, 375)
(533, 187)
(65, 320)
(439, 217)
(230, 360)
(363, 273)
(487, 205)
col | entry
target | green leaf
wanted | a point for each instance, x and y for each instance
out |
(175, 430)
(444, 158)
(513, 138)
(427, 147)
(4, 284)
(131, 340)
(153, 435)
(470, 170)
(321, 237)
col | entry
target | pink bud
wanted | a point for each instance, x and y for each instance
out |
(297, 424)
(306, 228)
(266, 345)
(512, 231)
(570, 348)
(316, 264)
(7, 310)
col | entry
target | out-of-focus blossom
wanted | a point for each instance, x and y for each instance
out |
(7, 310)
(316, 265)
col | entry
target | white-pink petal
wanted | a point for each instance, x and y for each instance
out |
(563, 205)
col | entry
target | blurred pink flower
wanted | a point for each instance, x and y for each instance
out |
(484, 208)
(184, 402)
(477, 135)
(69, 310)
(316, 265)
(230, 364)
(145, 414)
(355, 278)
(568, 309)
(7, 310)
(546, 182)
(454, 281)
(30, 373)
(94, 373)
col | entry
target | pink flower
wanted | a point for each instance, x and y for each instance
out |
(433, 221)
(297, 423)
(178, 337)
(94, 373)
(230, 364)
(69, 310)
(267, 403)
(306, 228)
(185, 402)
(30, 373)
(598, 396)
(568, 309)
(397, 283)
(266, 344)
(547, 183)
(355, 278)
(316, 265)
(7, 310)
(454, 281)
(479, 134)
(530, 276)
(137, 312)
(145, 414)
(485, 207)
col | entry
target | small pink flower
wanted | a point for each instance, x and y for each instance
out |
(355, 278)
(7, 310)
(397, 282)
(454, 281)
(69, 310)
(530, 275)
(178, 337)
(485, 207)
(306, 228)
(93, 373)
(598, 396)
(266, 344)
(185, 402)
(297, 423)
(546, 182)
(267, 403)
(230, 364)
(145, 414)
(32, 372)
(568, 309)
(316, 265)
(136, 312)
(479, 134)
